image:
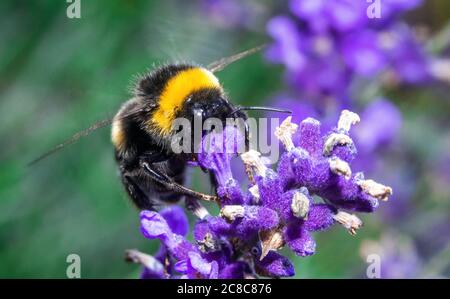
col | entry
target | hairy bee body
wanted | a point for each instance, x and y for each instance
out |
(142, 130)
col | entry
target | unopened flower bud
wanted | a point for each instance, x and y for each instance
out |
(340, 167)
(270, 240)
(349, 221)
(254, 190)
(375, 189)
(335, 139)
(346, 120)
(148, 261)
(285, 131)
(300, 205)
(253, 159)
(231, 212)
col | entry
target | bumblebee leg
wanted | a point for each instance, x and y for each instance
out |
(248, 170)
(247, 137)
(139, 198)
(170, 184)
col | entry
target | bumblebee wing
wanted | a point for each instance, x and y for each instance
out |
(75, 137)
(222, 63)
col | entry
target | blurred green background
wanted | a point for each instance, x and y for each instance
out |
(59, 75)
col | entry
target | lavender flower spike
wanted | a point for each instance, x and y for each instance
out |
(216, 153)
(328, 173)
(312, 188)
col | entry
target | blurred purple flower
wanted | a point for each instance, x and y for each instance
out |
(321, 15)
(232, 13)
(286, 50)
(362, 53)
(392, 8)
(404, 182)
(408, 59)
(398, 256)
(326, 46)
(382, 124)
(226, 13)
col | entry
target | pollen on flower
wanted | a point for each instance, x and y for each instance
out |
(340, 167)
(346, 120)
(208, 244)
(349, 221)
(285, 131)
(253, 159)
(300, 205)
(254, 191)
(335, 139)
(375, 189)
(231, 212)
(270, 240)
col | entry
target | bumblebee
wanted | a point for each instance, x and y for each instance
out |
(142, 128)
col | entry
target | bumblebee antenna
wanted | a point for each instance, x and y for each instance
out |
(222, 63)
(75, 137)
(257, 108)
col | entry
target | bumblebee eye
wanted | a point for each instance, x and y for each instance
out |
(255, 251)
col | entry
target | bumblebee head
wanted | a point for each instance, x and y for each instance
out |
(188, 93)
(208, 103)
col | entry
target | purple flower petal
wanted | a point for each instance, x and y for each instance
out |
(254, 219)
(320, 217)
(197, 267)
(270, 188)
(150, 274)
(217, 150)
(347, 194)
(299, 239)
(153, 226)
(176, 219)
(309, 138)
(230, 193)
(275, 265)
(234, 271)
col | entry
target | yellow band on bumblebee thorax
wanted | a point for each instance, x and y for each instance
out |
(175, 92)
